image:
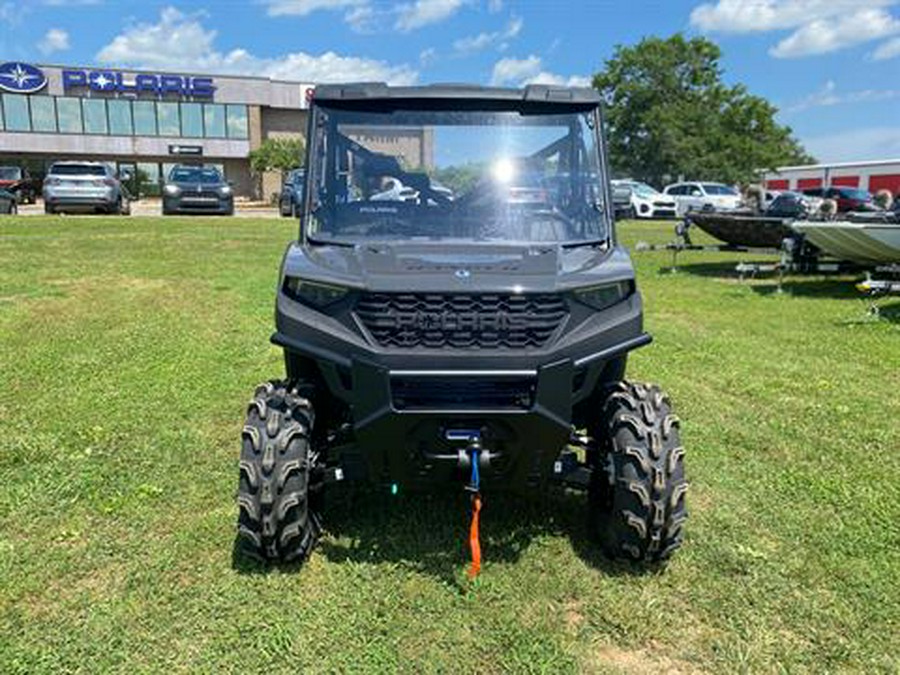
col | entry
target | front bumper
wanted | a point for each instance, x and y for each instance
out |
(403, 403)
(198, 204)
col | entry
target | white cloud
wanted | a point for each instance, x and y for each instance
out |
(519, 72)
(887, 50)
(476, 43)
(829, 95)
(745, 16)
(822, 36)
(411, 16)
(494, 6)
(180, 42)
(304, 7)
(54, 40)
(871, 143)
(428, 56)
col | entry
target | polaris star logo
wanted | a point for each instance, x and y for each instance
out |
(21, 78)
(462, 273)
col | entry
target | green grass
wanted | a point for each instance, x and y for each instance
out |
(128, 350)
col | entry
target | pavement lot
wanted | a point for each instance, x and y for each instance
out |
(152, 207)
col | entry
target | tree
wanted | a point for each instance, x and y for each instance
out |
(669, 114)
(277, 154)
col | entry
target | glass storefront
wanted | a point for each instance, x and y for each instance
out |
(123, 117)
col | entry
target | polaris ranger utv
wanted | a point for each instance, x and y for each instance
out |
(456, 310)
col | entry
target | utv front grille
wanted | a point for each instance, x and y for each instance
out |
(461, 393)
(471, 321)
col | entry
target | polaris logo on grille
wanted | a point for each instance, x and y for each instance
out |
(455, 321)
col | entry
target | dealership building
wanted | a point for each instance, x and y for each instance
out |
(145, 122)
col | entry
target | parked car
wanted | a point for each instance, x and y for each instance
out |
(8, 203)
(18, 180)
(289, 202)
(197, 189)
(621, 200)
(697, 196)
(84, 186)
(647, 201)
(847, 198)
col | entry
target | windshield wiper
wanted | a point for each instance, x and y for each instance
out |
(333, 242)
(585, 242)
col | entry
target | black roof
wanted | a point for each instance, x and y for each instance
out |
(373, 91)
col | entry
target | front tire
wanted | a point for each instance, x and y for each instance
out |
(280, 481)
(637, 491)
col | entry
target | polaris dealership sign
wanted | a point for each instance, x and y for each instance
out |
(21, 78)
(109, 81)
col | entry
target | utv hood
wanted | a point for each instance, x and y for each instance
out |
(458, 268)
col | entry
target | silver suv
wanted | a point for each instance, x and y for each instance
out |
(84, 186)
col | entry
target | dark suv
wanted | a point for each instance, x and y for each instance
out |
(197, 189)
(291, 193)
(474, 334)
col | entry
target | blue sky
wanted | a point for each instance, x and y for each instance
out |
(831, 66)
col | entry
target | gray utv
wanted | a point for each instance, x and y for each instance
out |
(456, 310)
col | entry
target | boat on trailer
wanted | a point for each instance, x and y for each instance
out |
(735, 229)
(873, 241)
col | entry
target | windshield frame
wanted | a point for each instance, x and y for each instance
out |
(318, 126)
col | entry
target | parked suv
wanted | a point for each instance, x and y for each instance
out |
(703, 197)
(847, 198)
(197, 189)
(18, 180)
(84, 186)
(472, 335)
(647, 201)
(291, 193)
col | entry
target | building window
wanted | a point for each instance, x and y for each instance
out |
(192, 120)
(120, 122)
(15, 111)
(43, 113)
(214, 120)
(68, 111)
(94, 111)
(145, 118)
(167, 119)
(236, 116)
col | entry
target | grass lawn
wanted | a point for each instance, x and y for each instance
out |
(129, 348)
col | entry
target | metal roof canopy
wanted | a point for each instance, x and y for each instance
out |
(532, 93)
(836, 165)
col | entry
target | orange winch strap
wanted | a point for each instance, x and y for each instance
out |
(474, 543)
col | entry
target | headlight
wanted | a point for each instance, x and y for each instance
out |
(312, 293)
(225, 190)
(601, 297)
(172, 190)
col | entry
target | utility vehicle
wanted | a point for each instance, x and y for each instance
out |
(476, 333)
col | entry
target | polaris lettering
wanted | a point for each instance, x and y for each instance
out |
(142, 83)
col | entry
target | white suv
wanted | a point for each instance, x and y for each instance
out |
(703, 197)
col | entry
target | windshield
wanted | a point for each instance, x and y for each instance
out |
(10, 173)
(643, 190)
(717, 189)
(464, 174)
(194, 174)
(77, 170)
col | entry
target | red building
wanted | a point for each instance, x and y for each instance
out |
(872, 176)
